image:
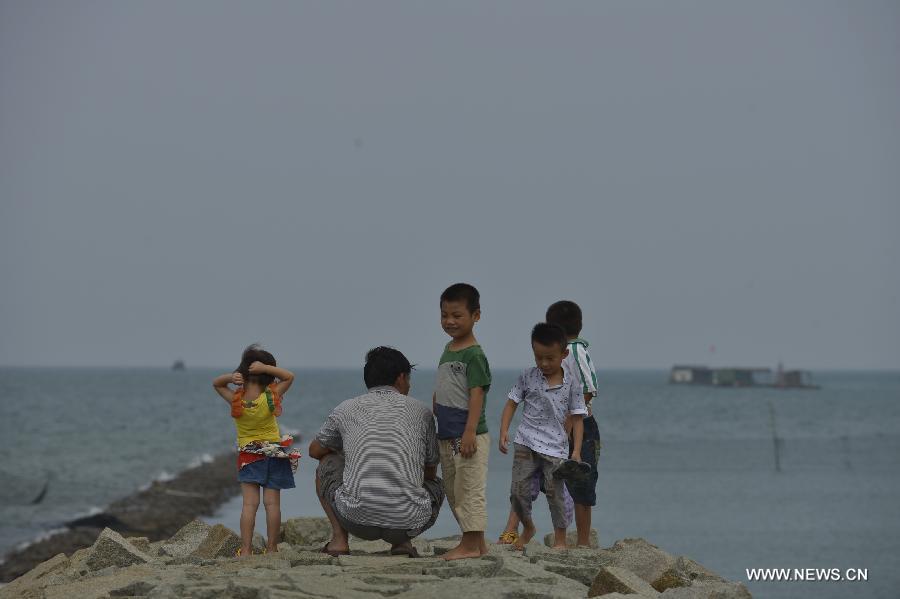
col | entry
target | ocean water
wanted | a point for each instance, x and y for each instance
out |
(692, 469)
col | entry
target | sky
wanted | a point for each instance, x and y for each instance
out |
(713, 182)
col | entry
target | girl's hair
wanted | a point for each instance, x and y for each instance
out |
(255, 353)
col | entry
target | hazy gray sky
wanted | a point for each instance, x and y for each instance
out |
(178, 179)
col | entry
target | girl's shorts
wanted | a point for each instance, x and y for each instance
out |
(269, 473)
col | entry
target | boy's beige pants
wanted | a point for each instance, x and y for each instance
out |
(465, 482)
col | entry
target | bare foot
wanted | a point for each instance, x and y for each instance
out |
(527, 535)
(558, 546)
(272, 549)
(460, 552)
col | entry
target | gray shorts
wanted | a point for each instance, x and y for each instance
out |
(331, 476)
(527, 462)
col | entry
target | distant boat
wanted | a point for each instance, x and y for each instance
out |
(741, 377)
(178, 365)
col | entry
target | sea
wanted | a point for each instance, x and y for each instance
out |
(736, 479)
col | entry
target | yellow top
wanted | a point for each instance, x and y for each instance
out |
(257, 423)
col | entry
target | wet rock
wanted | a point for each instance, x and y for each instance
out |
(619, 580)
(111, 549)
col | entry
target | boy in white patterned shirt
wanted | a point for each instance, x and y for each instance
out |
(551, 395)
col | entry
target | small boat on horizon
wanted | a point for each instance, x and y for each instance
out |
(742, 377)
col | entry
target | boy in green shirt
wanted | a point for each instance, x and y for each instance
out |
(463, 380)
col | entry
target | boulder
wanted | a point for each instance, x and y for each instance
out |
(218, 542)
(210, 571)
(20, 587)
(644, 559)
(611, 579)
(709, 590)
(138, 588)
(572, 539)
(186, 540)
(111, 549)
(141, 543)
(684, 573)
(306, 531)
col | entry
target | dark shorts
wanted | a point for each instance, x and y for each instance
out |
(331, 476)
(584, 492)
(269, 473)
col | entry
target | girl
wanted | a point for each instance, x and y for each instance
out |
(264, 457)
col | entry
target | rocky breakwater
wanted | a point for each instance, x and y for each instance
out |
(198, 562)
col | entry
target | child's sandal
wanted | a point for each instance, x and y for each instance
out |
(508, 538)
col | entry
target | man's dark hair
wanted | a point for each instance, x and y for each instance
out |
(255, 353)
(548, 334)
(384, 365)
(462, 292)
(567, 315)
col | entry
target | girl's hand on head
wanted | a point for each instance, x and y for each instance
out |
(257, 368)
(237, 379)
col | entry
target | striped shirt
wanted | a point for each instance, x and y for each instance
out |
(387, 439)
(579, 362)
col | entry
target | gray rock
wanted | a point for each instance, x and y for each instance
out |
(111, 549)
(141, 544)
(572, 539)
(709, 590)
(306, 531)
(210, 572)
(637, 555)
(155, 547)
(310, 558)
(582, 574)
(684, 573)
(619, 580)
(186, 540)
(137, 588)
(219, 542)
(40, 573)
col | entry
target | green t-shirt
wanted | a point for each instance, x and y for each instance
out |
(458, 372)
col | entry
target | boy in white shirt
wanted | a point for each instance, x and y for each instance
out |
(550, 394)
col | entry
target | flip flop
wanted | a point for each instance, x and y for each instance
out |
(572, 470)
(333, 552)
(508, 538)
(411, 552)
